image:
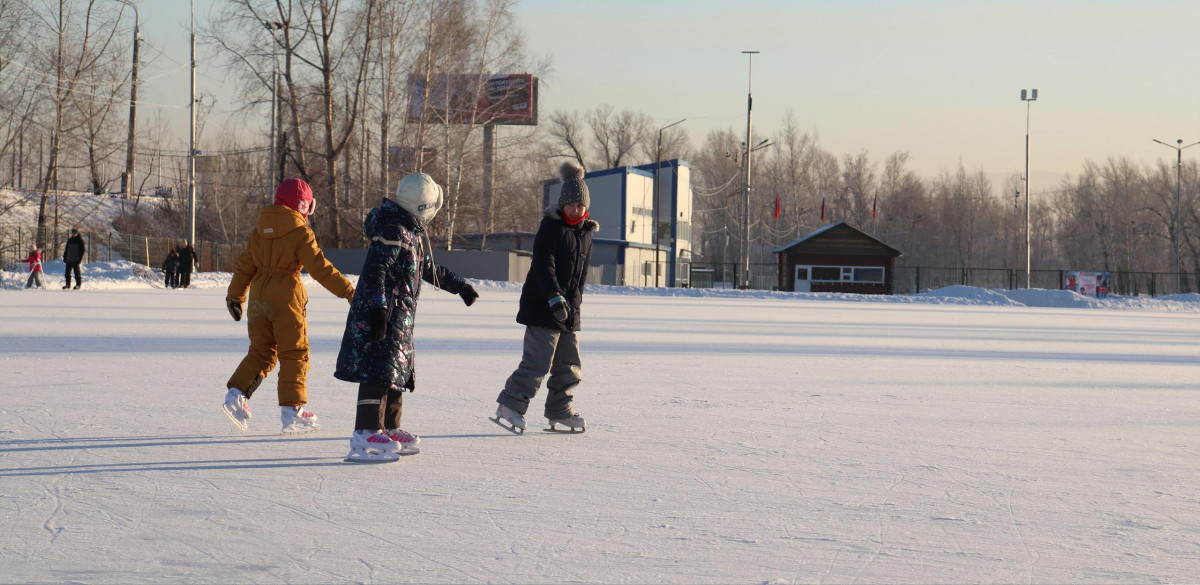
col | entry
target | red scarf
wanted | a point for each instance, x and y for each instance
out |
(576, 222)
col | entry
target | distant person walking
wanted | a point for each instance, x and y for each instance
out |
(170, 268)
(187, 261)
(34, 260)
(73, 255)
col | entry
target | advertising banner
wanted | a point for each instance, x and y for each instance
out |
(1092, 284)
(474, 99)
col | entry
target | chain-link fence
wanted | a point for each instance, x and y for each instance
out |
(914, 279)
(146, 250)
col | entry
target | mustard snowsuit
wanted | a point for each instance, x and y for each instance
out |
(269, 267)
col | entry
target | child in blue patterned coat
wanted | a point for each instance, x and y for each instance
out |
(377, 346)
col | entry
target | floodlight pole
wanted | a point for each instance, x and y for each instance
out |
(273, 26)
(746, 176)
(1028, 255)
(1176, 232)
(127, 179)
(657, 188)
(192, 138)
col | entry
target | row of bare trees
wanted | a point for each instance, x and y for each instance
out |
(355, 82)
(1115, 216)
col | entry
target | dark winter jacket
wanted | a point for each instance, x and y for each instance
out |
(561, 254)
(187, 258)
(171, 263)
(391, 277)
(73, 251)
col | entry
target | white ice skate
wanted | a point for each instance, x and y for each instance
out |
(369, 446)
(509, 419)
(575, 424)
(237, 408)
(406, 440)
(297, 421)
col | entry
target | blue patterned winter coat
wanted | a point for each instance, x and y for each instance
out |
(391, 277)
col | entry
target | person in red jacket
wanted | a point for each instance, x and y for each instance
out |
(34, 260)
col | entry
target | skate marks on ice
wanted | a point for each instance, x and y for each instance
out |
(155, 447)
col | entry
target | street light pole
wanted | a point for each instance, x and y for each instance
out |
(127, 179)
(1028, 254)
(657, 194)
(273, 26)
(746, 177)
(1177, 226)
(192, 138)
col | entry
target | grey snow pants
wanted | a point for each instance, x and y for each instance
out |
(546, 351)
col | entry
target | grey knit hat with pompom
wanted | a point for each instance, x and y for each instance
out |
(574, 190)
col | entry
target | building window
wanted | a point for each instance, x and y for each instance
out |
(864, 274)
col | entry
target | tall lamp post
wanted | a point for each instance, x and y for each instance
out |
(273, 26)
(1027, 98)
(746, 176)
(127, 179)
(657, 194)
(192, 137)
(1178, 219)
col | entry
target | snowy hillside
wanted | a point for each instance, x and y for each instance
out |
(960, 436)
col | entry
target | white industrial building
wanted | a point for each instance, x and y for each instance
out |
(624, 250)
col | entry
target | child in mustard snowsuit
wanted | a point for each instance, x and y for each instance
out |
(269, 268)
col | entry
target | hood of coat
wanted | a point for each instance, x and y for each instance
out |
(553, 212)
(276, 221)
(388, 220)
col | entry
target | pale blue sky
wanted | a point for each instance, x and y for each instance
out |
(938, 79)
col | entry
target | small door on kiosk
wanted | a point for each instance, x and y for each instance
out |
(803, 282)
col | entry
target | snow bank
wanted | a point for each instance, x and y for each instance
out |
(123, 274)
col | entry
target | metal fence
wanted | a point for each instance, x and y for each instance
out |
(146, 250)
(914, 279)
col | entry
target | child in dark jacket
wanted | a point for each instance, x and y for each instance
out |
(169, 267)
(377, 346)
(550, 310)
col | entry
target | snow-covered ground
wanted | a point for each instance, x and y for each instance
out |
(957, 436)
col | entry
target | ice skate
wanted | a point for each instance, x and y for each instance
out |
(237, 408)
(297, 421)
(509, 419)
(574, 424)
(406, 440)
(368, 446)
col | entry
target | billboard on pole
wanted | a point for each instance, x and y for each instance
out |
(474, 99)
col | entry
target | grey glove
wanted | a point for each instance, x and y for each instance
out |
(560, 309)
(235, 309)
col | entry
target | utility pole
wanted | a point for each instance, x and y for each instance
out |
(1028, 254)
(746, 176)
(657, 194)
(192, 139)
(127, 179)
(1177, 223)
(273, 26)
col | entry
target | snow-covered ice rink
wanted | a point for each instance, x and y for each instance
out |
(963, 436)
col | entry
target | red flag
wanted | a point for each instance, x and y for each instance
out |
(874, 204)
(777, 210)
(822, 209)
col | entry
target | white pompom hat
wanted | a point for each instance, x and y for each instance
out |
(419, 195)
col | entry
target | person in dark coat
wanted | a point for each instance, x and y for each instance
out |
(187, 261)
(377, 346)
(551, 303)
(170, 268)
(73, 254)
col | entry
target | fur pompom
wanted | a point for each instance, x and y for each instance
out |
(570, 170)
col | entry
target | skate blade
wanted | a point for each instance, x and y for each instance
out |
(297, 431)
(359, 456)
(239, 424)
(507, 426)
(565, 430)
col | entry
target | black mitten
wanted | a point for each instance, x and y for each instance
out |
(468, 295)
(560, 309)
(378, 323)
(235, 309)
